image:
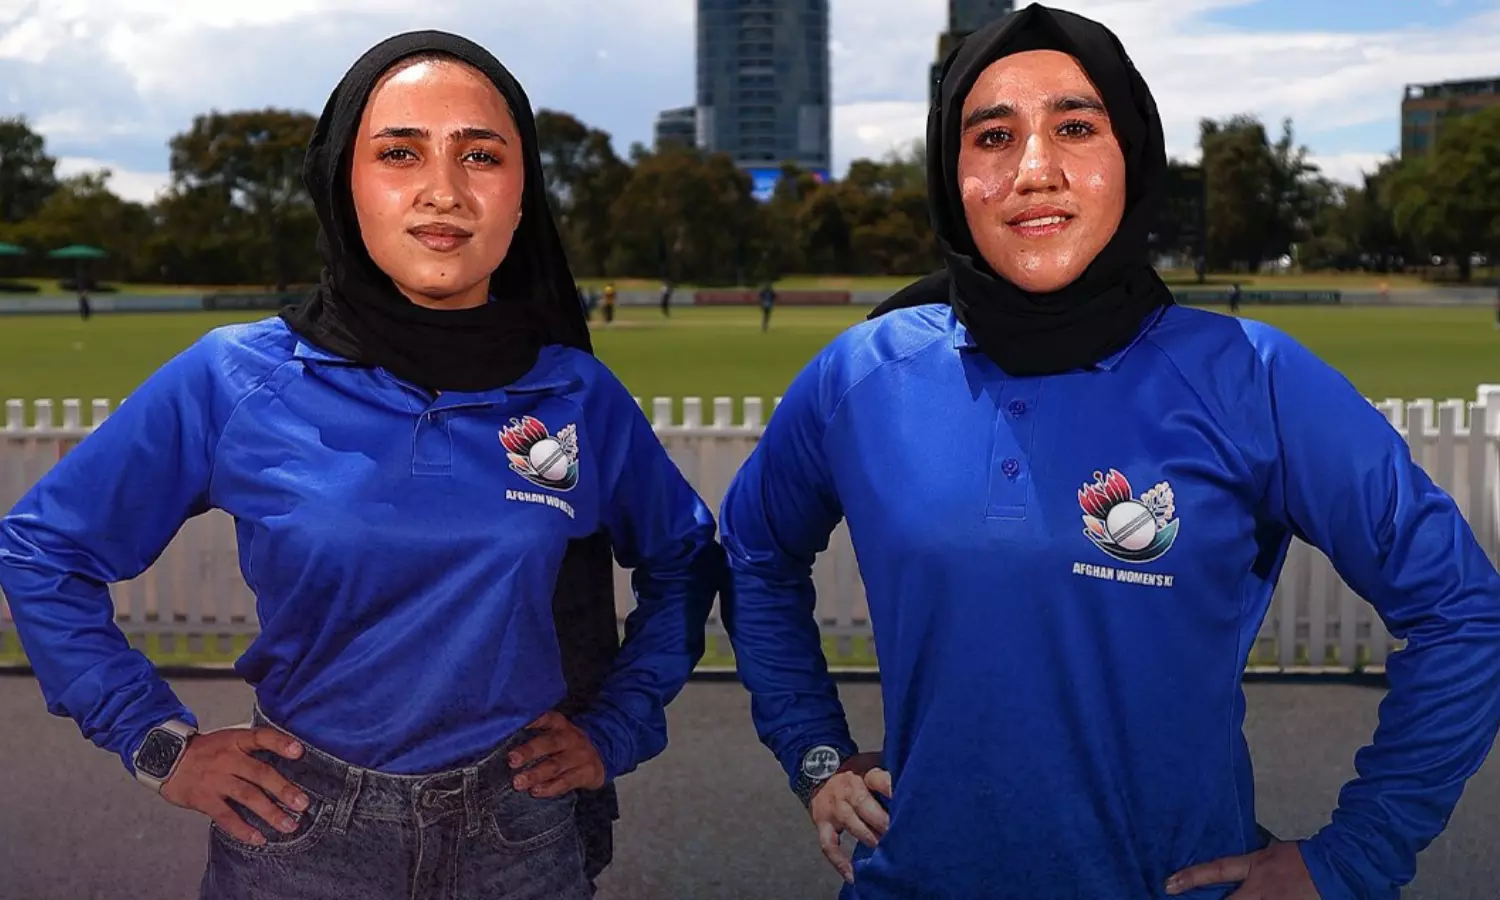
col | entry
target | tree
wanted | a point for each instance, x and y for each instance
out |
(1259, 195)
(689, 214)
(27, 173)
(251, 162)
(584, 177)
(1448, 201)
(82, 210)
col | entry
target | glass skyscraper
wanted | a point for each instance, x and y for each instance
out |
(964, 18)
(968, 16)
(764, 84)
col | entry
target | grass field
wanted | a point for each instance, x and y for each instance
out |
(1317, 281)
(709, 352)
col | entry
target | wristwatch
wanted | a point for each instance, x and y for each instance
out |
(818, 765)
(158, 755)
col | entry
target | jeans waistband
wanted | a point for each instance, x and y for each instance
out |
(421, 799)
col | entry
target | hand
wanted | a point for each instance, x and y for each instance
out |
(568, 759)
(846, 802)
(1275, 873)
(217, 767)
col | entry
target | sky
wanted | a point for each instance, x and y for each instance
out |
(108, 82)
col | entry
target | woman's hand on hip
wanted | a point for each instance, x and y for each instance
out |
(217, 767)
(846, 802)
(565, 759)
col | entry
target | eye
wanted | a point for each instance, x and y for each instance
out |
(1077, 128)
(396, 154)
(993, 138)
(483, 157)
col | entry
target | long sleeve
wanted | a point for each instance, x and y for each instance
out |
(103, 514)
(777, 516)
(1346, 483)
(661, 530)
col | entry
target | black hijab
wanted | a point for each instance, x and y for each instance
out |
(356, 311)
(1038, 334)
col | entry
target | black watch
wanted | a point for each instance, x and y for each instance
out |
(818, 765)
(158, 755)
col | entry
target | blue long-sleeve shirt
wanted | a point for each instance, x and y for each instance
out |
(402, 548)
(1065, 576)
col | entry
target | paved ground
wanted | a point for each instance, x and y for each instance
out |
(710, 820)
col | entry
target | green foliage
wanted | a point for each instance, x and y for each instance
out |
(236, 211)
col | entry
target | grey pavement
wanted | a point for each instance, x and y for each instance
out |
(709, 820)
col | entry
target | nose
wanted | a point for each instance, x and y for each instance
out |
(444, 191)
(1037, 171)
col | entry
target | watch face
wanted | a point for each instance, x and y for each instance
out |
(820, 763)
(159, 753)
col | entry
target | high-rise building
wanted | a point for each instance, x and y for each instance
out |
(764, 85)
(964, 18)
(968, 16)
(677, 126)
(1425, 107)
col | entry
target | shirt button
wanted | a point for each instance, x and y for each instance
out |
(1011, 468)
(1018, 408)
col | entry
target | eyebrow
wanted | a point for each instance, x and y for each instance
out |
(461, 134)
(1070, 103)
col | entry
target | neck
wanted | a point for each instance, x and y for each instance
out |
(470, 298)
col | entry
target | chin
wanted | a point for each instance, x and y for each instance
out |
(1043, 282)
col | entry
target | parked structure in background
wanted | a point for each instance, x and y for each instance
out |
(764, 86)
(677, 127)
(964, 18)
(1425, 107)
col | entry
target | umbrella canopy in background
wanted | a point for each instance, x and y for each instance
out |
(11, 250)
(77, 251)
(81, 254)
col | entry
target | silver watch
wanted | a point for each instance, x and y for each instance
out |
(158, 756)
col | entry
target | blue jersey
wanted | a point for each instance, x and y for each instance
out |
(1065, 577)
(403, 549)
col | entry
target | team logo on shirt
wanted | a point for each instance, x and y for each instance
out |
(1130, 529)
(542, 458)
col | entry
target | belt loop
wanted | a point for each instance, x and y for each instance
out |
(353, 778)
(471, 802)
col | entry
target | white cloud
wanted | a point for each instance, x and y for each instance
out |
(139, 187)
(1349, 168)
(113, 80)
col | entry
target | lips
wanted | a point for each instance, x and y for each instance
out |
(440, 237)
(1040, 221)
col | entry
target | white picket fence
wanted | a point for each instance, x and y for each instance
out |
(194, 593)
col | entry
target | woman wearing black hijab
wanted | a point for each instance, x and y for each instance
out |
(1070, 501)
(428, 470)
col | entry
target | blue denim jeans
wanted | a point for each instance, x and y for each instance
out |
(464, 834)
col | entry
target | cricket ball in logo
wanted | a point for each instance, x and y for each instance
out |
(542, 458)
(1130, 529)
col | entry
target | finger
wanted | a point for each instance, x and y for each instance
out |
(538, 747)
(278, 742)
(870, 812)
(230, 822)
(546, 770)
(879, 781)
(849, 818)
(570, 779)
(272, 782)
(1228, 870)
(828, 840)
(548, 721)
(254, 799)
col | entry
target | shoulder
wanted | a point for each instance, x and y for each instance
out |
(890, 340)
(243, 356)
